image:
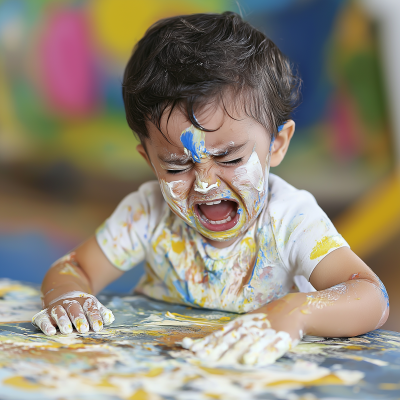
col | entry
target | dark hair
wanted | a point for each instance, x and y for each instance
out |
(189, 60)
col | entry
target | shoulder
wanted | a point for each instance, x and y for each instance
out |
(143, 207)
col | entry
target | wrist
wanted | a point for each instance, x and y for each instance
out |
(59, 290)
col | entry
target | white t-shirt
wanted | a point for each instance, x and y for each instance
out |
(290, 237)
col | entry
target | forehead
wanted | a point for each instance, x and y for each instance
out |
(225, 128)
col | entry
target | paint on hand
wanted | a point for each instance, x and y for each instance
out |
(78, 319)
(42, 321)
(246, 340)
(193, 141)
(96, 313)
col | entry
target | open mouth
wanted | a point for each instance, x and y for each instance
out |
(218, 215)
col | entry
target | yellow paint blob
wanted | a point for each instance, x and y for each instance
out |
(79, 322)
(389, 386)
(154, 372)
(178, 246)
(330, 379)
(22, 383)
(141, 395)
(323, 246)
(106, 384)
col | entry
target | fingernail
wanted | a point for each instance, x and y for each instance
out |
(108, 317)
(66, 329)
(81, 325)
(97, 325)
(50, 330)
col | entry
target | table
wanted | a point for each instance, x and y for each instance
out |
(139, 358)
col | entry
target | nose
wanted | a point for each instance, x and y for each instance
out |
(205, 180)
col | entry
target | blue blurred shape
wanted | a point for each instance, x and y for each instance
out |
(27, 256)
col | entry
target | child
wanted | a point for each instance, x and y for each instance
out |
(210, 99)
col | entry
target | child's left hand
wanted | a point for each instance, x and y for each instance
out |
(247, 340)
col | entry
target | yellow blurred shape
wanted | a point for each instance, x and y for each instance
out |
(119, 25)
(374, 220)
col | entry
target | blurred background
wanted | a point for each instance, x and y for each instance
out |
(67, 156)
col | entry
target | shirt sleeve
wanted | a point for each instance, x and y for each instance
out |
(124, 236)
(303, 232)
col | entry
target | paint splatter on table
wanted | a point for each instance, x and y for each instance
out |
(139, 358)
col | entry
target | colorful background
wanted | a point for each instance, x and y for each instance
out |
(67, 156)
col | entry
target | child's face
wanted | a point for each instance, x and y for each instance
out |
(215, 181)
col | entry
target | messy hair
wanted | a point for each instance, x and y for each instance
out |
(189, 60)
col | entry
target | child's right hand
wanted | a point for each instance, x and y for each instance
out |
(77, 308)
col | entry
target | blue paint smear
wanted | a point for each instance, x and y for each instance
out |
(196, 150)
(384, 292)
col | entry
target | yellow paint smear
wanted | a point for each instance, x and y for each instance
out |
(330, 379)
(22, 383)
(104, 383)
(69, 270)
(18, 288)
(218, 371)
(141, 394)
(146, 332)
(213, 395)
(322, 247)
(200, 321)
(178, 246)
(389, 386)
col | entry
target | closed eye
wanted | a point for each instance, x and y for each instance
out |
(232, 162)
(176, 171)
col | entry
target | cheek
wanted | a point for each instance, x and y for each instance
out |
(177, 190)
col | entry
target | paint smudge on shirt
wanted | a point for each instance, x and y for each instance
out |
(323, 247)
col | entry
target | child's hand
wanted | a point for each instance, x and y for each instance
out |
(77, 308)
(248, 340)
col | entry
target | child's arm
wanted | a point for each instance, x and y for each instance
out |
(351, 300)
(68, 289)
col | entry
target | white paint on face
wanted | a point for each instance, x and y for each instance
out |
(203, 187)
(250, 182)
(251, 172)
(174, 185)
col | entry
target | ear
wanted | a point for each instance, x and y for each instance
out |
(281, 143)
(142, 151)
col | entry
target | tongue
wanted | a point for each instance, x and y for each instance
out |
(218, 212)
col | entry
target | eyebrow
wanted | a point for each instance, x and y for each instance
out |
(175, 159)
(228, 150)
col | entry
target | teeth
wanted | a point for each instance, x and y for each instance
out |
(213, 202)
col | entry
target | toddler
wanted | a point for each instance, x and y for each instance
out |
(210, 99)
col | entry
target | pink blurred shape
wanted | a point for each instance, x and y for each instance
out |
(67, 63)
(348, 132)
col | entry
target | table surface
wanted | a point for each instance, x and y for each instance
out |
(139, 358)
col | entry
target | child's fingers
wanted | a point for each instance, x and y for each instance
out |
(268, 348)
(60, 316)
(108, 316)
(93, 314)
(76, 315)
(43, 321)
